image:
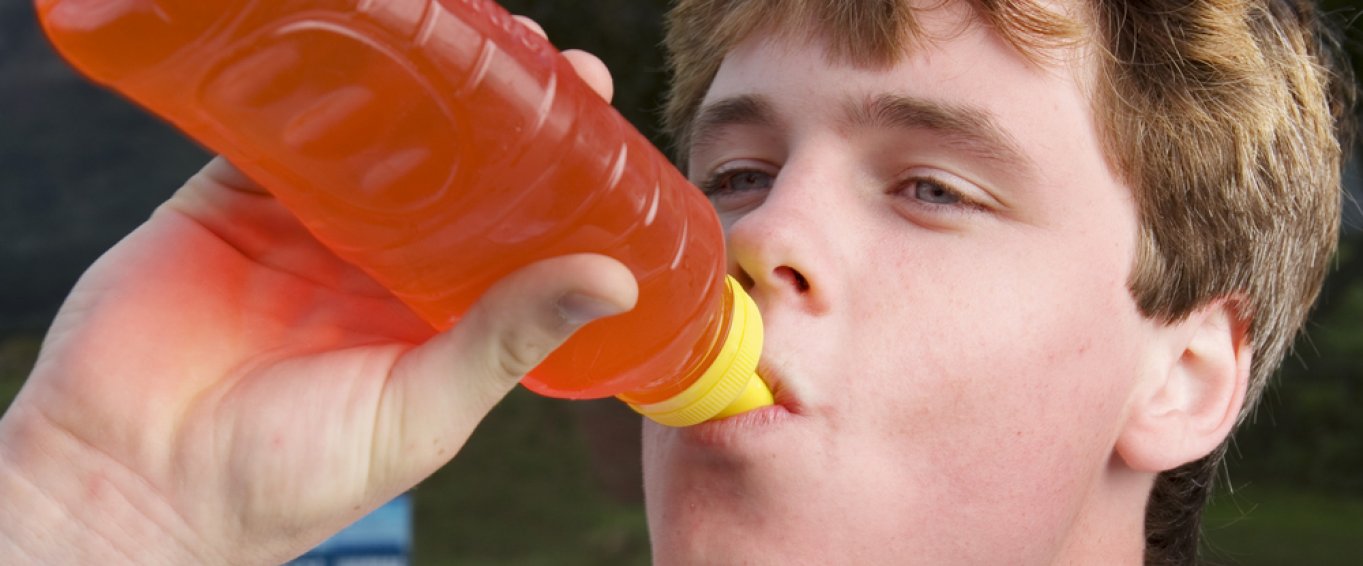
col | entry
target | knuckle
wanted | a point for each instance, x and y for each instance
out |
(519, 351)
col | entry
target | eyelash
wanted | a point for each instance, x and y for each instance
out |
(715, 186)
(962, 202)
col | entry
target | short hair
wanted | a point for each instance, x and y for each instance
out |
(1226, 118)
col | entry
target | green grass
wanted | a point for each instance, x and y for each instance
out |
(522, 493)
(1259, 525)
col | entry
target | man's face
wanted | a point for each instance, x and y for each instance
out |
(940, 253)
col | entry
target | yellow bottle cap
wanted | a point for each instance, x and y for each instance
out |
(730, 385)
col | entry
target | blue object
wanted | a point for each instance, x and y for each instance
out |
(381, 538)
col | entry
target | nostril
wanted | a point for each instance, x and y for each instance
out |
(794, 277)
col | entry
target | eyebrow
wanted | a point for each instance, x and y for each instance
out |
(965, 128)
(969, 129)
(713, 118)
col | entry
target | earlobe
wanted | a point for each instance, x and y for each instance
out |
(1187, 404)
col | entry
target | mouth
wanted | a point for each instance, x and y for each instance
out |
(782, 389)
(746, 427)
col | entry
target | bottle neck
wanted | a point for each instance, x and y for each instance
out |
(729, 384)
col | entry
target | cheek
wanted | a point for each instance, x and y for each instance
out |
(1009, 366)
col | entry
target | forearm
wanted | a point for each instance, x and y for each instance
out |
(64, 505)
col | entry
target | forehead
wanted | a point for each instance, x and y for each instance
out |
(1046, 31)
(956, 61)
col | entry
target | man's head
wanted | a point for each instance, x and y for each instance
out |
(1015, 259)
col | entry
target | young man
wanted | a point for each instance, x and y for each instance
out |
(1023, 267)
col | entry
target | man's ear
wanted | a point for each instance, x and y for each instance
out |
(1187, 404)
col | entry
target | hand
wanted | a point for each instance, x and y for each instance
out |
(219, 388)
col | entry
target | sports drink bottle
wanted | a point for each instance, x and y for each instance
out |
(439, 145)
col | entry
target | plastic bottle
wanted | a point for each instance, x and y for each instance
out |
(440, 145)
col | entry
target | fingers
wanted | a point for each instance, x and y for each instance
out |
(593, 72)
(520, 320)
(441, 390)
(222, 172)
(589, 67)
(532, 24)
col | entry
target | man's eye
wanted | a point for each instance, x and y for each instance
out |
(737, 181)
(933, 192)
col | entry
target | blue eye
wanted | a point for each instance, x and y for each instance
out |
(932, 192)
(737, 181)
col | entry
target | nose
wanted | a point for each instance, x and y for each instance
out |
(776, 251)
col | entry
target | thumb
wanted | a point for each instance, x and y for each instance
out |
(441, 390)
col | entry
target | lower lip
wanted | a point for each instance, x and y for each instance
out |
(731, 430)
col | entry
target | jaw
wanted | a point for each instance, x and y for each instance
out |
(715, 506)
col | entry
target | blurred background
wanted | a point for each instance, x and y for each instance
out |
(553, 482)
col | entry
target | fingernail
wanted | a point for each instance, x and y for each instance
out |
(578, 309)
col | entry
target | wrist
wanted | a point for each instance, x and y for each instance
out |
(65, 503)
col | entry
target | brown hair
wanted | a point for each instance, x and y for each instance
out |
(1224, 117)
